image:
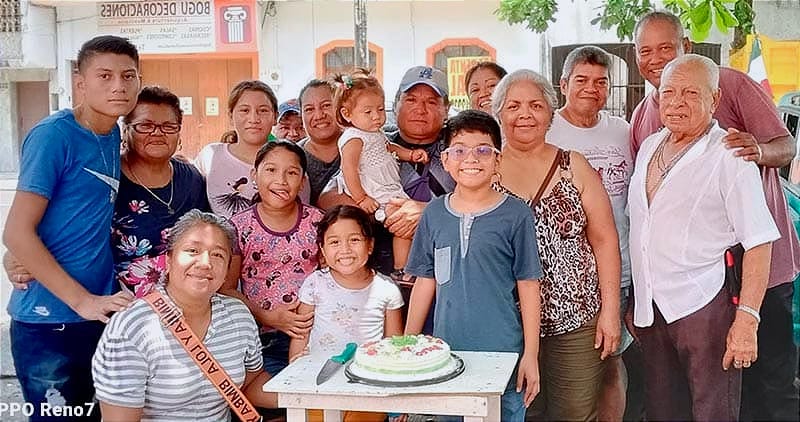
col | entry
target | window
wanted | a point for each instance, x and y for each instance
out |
(470, 50)
(10, 16)
(337, 57)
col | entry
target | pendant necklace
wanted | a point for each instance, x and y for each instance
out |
(168, 203)
(112, 174)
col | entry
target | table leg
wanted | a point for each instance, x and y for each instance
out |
(295, 415)
(329, 415)
(492, 411)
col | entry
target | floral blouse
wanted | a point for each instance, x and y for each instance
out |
(141, 223)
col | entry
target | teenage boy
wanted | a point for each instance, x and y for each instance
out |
(58, 229)
(475, 250)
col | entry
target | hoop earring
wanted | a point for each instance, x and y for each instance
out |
(499, 178)
(180, 144)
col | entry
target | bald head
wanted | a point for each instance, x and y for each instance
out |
(688, 96)
(701, 66)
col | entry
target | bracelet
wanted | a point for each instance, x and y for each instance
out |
(748, 310)
(760, 153)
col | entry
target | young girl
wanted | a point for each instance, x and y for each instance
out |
(227, 164)
(277, 250)
(369, 171)
(350, 301)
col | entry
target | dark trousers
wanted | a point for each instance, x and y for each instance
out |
(768, 390)
(54, 368)
(275, 351)
(684, 379)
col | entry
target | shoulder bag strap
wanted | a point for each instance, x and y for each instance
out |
(547, 178)
(172, 319)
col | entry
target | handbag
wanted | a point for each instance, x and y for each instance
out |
(172, 318)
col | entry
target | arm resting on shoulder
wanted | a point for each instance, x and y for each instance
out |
(778, 152)
(23, 242)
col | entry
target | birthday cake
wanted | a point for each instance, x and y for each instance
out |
(403, 358)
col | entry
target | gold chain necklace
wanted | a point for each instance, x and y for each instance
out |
(661, 164)
(167, 204)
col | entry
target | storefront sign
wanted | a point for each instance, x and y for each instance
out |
(457, 68)
(181, 26)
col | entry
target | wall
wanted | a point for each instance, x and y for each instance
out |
(404, 30)
(778, 18)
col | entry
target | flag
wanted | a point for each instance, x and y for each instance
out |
(757, 70)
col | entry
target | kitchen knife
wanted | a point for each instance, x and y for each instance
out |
(334, 363)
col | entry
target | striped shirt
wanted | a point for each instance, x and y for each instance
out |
(140, 364)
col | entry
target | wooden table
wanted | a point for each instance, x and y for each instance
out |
(475, 394)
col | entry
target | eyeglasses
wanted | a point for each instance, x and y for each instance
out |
(147, 128)
(481, 152)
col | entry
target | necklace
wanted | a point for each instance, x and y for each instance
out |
(665, 167)
(110, 177)
(167, 204)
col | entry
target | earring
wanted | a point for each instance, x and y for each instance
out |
(498, 177)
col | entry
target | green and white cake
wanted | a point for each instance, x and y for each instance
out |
(403, 358)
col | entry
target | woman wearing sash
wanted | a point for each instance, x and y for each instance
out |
(143, 372)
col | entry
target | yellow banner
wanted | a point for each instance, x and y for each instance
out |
(457, 68)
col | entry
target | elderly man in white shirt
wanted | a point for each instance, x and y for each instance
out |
(690, 199)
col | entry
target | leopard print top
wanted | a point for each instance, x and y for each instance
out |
(570, 287)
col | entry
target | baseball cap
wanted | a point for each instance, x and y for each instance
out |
(434, 78)
(287, 107)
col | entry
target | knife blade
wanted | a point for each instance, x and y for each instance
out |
(334, 363)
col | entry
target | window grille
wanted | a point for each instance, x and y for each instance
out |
(10, 16)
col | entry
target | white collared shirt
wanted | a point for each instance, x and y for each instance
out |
(709, 201)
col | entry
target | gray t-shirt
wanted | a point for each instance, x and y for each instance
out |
(139, 363)
(476, 260)
(319, 172)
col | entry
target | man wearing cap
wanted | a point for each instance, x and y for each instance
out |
(421, 107)
(290, 125)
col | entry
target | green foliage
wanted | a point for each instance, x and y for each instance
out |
(536, 14)
(622, 15)
(699, 16)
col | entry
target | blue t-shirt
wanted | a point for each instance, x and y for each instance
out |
(477, 260)
(141, 222)
(78, 173)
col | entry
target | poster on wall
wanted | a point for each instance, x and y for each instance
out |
(457, 68)
(181, 26)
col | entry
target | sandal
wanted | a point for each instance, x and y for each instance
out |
(402, 279)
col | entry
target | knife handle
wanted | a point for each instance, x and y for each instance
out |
(347, 354)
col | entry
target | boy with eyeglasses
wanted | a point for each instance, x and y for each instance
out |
(475, 250)
(58, 229)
